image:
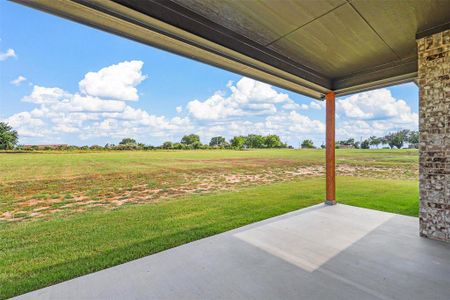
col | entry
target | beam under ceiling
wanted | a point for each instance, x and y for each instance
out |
(120, 20)
(172, 27)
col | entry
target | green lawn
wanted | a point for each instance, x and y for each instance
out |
(43, 252)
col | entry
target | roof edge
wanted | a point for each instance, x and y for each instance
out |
(395, 72)
(115, 18)
(433, 30)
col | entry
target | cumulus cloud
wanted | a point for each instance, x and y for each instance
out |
(248, 97)
(292, 105)
(91, 113)
(315, 105)
(292, 123)
(18, 80)
(27, 124)
(372, 105)
(114, 82)
(290, 126)
(245, 107)
(78, 103)
(374, 113)
(42, 95)
(8, 54)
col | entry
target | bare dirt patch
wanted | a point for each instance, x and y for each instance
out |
(172, 184)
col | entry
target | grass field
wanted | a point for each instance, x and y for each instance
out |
(67, 214)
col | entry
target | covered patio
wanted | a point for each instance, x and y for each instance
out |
(322, 49)
(320, 252)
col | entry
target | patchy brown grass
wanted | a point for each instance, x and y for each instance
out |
(37, 199)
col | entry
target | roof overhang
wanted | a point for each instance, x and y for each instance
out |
(173, 27)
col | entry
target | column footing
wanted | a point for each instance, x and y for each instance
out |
(330, 202)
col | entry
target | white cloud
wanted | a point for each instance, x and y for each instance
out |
(294, 123)
(27, 125)
(41, 95)
(365, 128)
(290, 126)
(78, 103)
(372, 105)
(315, 105)
(214, 108)
(374, 113)
(247, 107)
(18, 80)
(291, 105)
(253, 107)
(248, 97)
(8, 54)
(114, 82)
(24, 117)
(90, 114)
(250, 90)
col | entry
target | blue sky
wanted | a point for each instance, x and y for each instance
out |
(62, 82)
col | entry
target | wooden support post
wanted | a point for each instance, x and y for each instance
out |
(330, 149)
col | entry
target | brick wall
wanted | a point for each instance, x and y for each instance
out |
(434, 127)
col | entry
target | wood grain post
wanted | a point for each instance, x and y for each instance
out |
(330, 149)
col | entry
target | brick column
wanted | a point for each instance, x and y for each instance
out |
(434, 127)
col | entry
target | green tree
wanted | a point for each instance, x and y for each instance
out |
(8, 137)
(374, 141)
(93, 147)
(365, 144)
(196, 145)
(413, 139)
(128, 141)
(396, 139)
(350, 143)
(307, 144)
(167, 145)
(218, 141)
(238, 142)
(273, 141)
(178, 146)
(254, 141)
(190, 139)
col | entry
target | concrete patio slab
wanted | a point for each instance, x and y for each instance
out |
(321, 252)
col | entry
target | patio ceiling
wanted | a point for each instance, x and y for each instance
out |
(310, 47)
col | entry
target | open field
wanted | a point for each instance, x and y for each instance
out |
(68, 214)
(49, 184)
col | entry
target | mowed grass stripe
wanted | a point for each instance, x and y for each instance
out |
(40, 253)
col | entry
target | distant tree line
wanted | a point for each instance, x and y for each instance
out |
(9, 140)
(187, 142)
(394, 140)
(251, 141)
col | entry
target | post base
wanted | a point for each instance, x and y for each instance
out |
(330, 202)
